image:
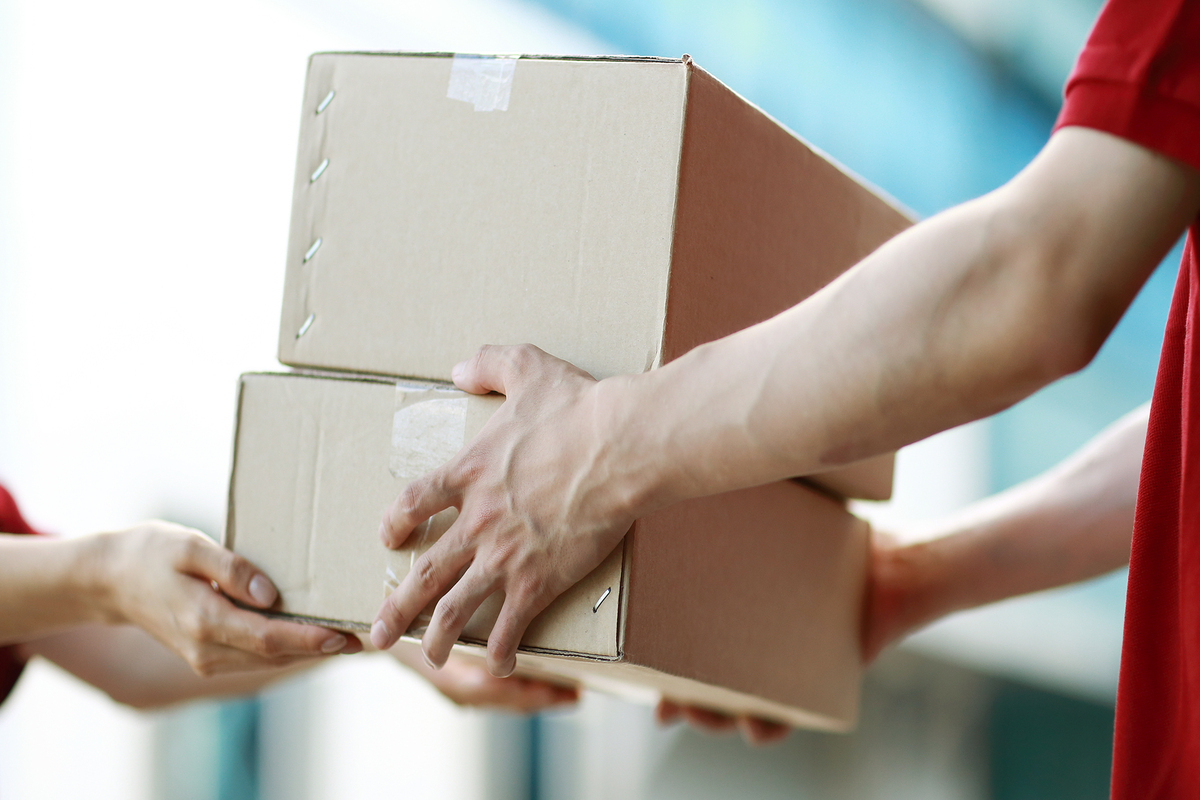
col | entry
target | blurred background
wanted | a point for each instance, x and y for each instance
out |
(146, 160)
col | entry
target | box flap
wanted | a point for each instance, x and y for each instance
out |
(644, 685)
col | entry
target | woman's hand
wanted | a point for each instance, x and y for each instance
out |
(179, 586)
(468, 683)
(538, 510)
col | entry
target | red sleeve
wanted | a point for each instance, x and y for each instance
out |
(11, 521)
(1138, 77)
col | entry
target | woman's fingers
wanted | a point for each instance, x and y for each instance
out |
(218, 621)
(236, 577)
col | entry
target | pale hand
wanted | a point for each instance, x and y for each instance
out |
(538, 509)
(468, 683)
(179, 586)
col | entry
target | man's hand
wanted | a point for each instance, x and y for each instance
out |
(468, 683)
(754, 730)
(543, 497)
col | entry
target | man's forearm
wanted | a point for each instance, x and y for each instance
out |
(1067, 525)
(955, 319)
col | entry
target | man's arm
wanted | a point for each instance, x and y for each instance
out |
(1067, 525)
(956, 318)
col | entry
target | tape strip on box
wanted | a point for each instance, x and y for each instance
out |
(483, 81)
(429, 427)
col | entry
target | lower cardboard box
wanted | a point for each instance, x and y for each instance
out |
(745, 602)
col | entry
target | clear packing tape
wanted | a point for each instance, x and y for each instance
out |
(428, 429)
(483, 81)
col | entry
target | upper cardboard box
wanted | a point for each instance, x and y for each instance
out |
(615, 212)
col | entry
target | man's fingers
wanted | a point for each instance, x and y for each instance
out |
(483, 372)
(431, 574)
(516, 614)
(710, 721)
(761, 731)
(218, 659)
(452, 613)
(235, 576)
(417, 502)
(667, 712)
(472, 685)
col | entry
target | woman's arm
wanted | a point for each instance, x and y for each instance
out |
(133, 668)
(956, 318)
(171, 581)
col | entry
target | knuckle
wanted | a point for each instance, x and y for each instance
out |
(450, 614)
(425, 574)
(196, 626)
(234, 568)
(410, 499)
(202, 663)
(529, 587)
(481, 356)
(486, 515)
(500, 651)
(266, 645)
(519, 356)
(191, 549)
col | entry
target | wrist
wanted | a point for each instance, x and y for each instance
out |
(908, 588)
(632, 427)
(95, 579)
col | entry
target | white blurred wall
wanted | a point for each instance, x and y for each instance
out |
(146, 160)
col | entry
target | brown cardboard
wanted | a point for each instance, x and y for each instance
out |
(748, 601)
(617, 213)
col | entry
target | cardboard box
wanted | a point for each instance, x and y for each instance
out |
(748, 601)
(616, 212)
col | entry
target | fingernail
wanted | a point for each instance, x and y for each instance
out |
(380, 637)
(428, 662)
(457, 372)
(333, 644)
(383, 532)
(262, 591)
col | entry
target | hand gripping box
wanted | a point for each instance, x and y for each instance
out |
(616, 212)
(748, 601)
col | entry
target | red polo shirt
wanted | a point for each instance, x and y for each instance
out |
(11, 521)
(1138, 77)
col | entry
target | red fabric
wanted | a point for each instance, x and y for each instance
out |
(11, 521)
(1138, 77)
